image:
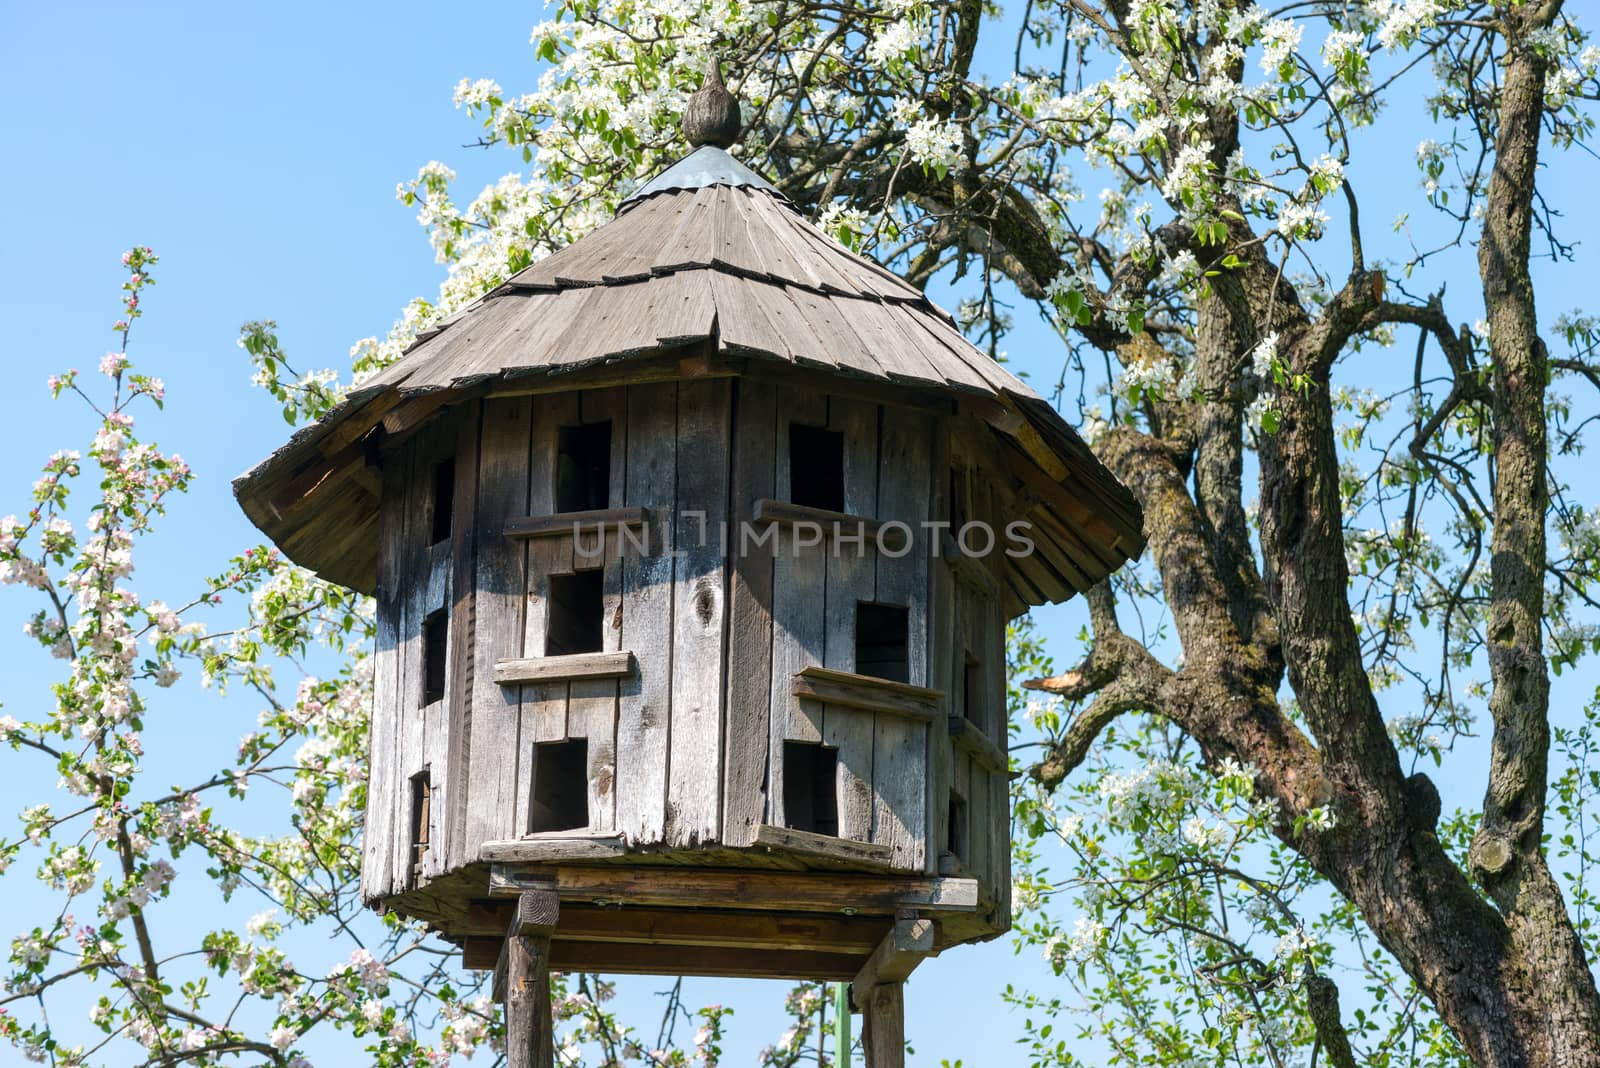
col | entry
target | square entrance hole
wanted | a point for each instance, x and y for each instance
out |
(583, 468)
(577, 613)
(972, 703)
(421, 804)
(816, 467)
(444, 499)
(435, 651)
(810, 788)
(560, 786)
(882, 641)
(955, 840)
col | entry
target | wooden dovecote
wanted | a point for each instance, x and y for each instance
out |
(693, 547)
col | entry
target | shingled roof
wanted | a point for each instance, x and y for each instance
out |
(707, 254)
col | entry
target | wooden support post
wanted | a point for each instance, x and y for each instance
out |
(883, 1030)
(878, 990)
(530, 1032)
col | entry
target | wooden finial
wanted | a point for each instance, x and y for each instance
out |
(712, 114)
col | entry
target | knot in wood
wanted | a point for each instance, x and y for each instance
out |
(712, 114)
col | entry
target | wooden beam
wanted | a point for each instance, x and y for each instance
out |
(895, 958)
(970, 737)
(513, 671)
(545, 848)
(530, 1032)
(883, 1031)
(576, 523)
(481, 954)
(860, 935)
(781, 891)
(824, 847)
(867, 692)
(836, 525)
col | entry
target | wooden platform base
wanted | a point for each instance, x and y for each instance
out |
(538, 935)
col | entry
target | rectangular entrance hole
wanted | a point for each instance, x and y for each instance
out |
(810, 788)
(435, 651)
(816, 467)
(577, 613)
(955, 836)
(560, 786)
(583, 468)
(421, 803)
(882, 641)
(444, 499)
(972, 691)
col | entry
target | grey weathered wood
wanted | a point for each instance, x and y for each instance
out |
(940, 652)
(850, 569)
(799, 622)
(823, 846)
(544, 703)
(553, 847)
(500, 581)
(866, 692)
(782, 891)
(832, 526)
(586, 523)
(463, 633)
(976, 743)
(382, 788)
(893, 960)
(417, 568)
(565, 668)
(530, 1031)
(747, 711)
(592, 705)
(899, 803)
(644, 705)
(699, 615)
(883, 1028)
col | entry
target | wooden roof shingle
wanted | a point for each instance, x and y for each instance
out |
(707, 253)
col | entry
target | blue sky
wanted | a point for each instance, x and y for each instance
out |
(256, 148)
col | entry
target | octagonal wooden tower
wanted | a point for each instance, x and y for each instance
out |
(693, 546)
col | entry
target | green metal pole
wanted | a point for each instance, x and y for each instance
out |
(841, 1024)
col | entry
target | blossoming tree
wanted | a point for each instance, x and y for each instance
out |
(1226, 845)
(1354, 561)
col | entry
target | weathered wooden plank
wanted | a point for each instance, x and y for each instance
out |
(840, 850)
(587, 922)
(867, 692)
(798, 621)
(592, 707)
(552, 847)
(544, 704)
(416, 572)
(500, 581)
(640, 958)
(564, 668)
(463, 632)
(899, 779)
(903, 458)
(644, 706)
(782, 891)
(967, 736)
(941, 654)
(893, 959)
(850, 569)
(530, 1032)
(841, 527)
(883, 1028)
(747, 712)
(699, 616)
(586, 524)
(387, 685)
